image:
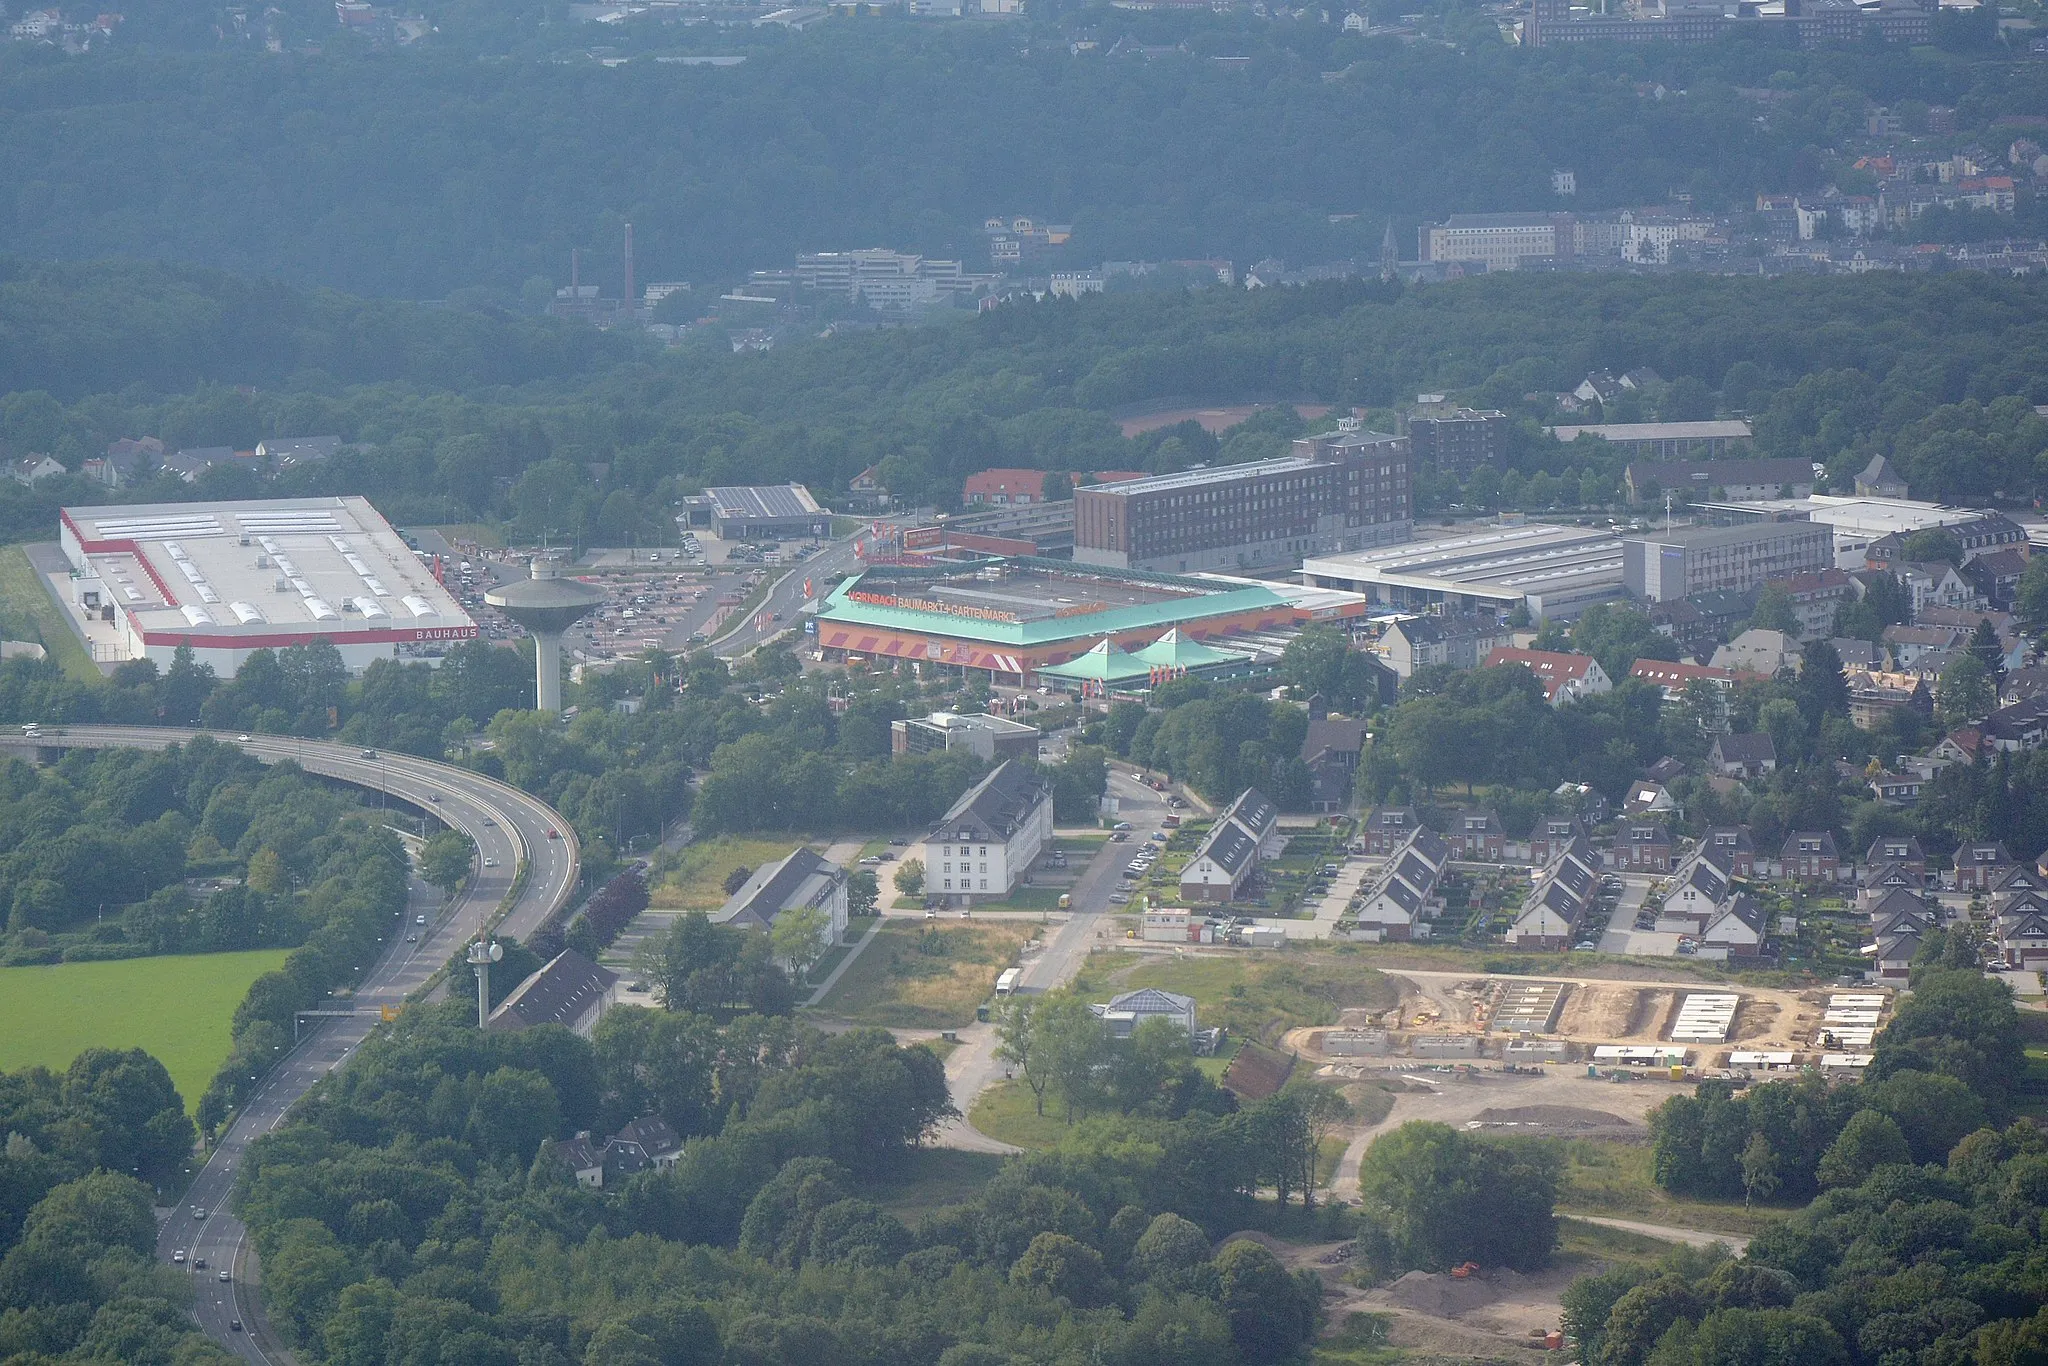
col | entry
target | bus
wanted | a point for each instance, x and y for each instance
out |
(1007, 983)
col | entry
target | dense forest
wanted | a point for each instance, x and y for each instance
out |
(1938, 371)
(95, 852)
(424, 173)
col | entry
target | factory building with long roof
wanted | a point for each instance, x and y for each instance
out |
(1558, 571)
(230, 578)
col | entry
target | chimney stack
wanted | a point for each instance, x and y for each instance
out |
(628, 299)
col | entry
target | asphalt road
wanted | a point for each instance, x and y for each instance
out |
(787, 598)
(973, 1066)
(507, 825)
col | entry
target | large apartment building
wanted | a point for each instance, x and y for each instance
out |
(1346, 490)
(1498, 241)
(1458, 442)
(1662, 565)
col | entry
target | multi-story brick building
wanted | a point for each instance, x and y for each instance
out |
(1458, 442)
(1347, 490)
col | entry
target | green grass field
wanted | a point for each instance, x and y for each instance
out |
(22, 595)
(178, 1008)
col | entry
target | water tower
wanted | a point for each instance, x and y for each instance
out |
(483, 953)
(545, 604)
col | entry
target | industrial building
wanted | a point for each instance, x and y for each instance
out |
(759, 512)
(1699, 480)
(1665, 440)
(231, 578)
(1558, 571)
(1343, 491)
(1013, 617)
(986, 737)
(1663, 565)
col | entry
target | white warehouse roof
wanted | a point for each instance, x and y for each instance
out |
(241, 576)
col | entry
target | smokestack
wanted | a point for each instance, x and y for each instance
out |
(575, 269)
(628, 300)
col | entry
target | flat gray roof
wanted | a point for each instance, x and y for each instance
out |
(1498, 562)
(1216, 474)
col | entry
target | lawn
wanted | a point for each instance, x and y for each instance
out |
(24, 601)
(1613, 1180)
(931, 1179)
(1025, 899)
(176, 1007)
(1262, 995)
(1008, 1112)
(926, 976)
(695, 881)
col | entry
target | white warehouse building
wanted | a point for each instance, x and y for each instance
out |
(231, 578)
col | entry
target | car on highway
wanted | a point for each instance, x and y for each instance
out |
(434, 797)
(178, 1257)
(245, 739)
(412, 939)
(369, 754)
(234, 1325)
(225, 1275)
(199, 1263)
(488, 821)
(553, 833)
(419, 920)
(490, 863)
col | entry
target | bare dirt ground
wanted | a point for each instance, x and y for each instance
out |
(1598, 1013)
(1559, 1121)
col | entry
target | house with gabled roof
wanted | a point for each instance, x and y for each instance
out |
(1477, 834)
(1732, 848)
(1331, 751)
(646, 1144)
(1565, 677)
(1980, 864)
(569, 990)
(1560, 895)
(1750, 754)
(1696, 891)
(1737, 929)
(1244, 832)
(2021, 937)
(1552, 835)
(1810, 856)
(1903, 850)
(1644, 847)
(1403, 897)
(802, 879)
(989, 839)
(1388, 828)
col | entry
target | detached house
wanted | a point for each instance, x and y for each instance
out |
(1644, 847)
(1331, 751)
(1698, 889)
(1749, 755)
(1388, 828)
(1979, 866)
(1478, 835)
(1552, 836)
(647, 1144)
(1810, 856)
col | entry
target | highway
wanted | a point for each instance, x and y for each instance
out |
(507, 825)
